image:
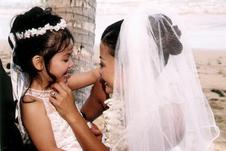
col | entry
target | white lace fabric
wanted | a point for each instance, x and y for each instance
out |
(114, 125)
(63, 134)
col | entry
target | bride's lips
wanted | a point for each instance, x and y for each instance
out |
(66, 77)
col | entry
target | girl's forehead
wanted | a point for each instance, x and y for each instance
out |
(68, 49)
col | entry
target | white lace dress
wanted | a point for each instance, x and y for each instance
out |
(63, 133)
(114, 125)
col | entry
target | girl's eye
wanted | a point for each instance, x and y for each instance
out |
(66, 60)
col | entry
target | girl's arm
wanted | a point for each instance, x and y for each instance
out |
(94, 105)
(77, 81)
(64, 103)
(37, 124)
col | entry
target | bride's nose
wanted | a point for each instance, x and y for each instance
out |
(71, 63)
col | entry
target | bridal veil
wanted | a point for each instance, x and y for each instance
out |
(156, 77)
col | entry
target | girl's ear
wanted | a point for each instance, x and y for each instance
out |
(38, 62)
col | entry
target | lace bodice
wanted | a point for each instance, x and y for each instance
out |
(63, 133)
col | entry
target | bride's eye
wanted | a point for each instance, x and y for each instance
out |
(101, 65)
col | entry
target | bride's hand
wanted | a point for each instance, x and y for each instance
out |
(62, 99)
(96, 131)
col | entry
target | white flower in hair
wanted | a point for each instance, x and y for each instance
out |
(27, 34)
(33, 32)
(19, 36)
(41, 30)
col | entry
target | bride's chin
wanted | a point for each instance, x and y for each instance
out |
(64, 80)
(108, 89)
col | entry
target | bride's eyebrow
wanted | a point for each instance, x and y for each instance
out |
(101, 58)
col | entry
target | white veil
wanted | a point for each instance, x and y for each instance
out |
(165, 109)
(20, 83)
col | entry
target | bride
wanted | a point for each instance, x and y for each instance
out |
(156, 103)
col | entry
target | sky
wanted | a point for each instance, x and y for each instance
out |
(206, 18)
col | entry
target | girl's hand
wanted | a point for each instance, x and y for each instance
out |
(62, 99)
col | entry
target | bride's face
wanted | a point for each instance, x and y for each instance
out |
(107, 66)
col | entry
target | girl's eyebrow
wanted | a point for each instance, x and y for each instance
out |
(69, 52)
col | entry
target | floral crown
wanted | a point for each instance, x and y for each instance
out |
(41, 30)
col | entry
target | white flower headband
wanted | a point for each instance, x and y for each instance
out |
(41, 30)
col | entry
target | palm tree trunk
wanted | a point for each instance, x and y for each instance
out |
(80, 16)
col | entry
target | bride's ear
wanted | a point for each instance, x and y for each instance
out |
(38, 62)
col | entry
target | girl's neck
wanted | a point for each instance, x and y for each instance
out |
(39, 84)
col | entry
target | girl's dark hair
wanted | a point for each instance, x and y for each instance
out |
(46, 45)
(169, 37)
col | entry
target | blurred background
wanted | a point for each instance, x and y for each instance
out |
(206, 18)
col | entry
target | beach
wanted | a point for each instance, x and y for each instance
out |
(211, 67)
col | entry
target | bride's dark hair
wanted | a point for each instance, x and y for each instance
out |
(169, 35)
(110, 36)
(166, 35)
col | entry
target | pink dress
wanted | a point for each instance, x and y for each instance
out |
(63, 133)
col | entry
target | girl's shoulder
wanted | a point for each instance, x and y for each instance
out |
(29, 99)
(31, 104)
(33, 95)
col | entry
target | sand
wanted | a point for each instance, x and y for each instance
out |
(211, 67)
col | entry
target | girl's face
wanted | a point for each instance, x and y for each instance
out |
(61, 63)
(107, 62)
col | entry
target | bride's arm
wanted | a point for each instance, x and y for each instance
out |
(94, 105)
(64, 103)
(79, 80)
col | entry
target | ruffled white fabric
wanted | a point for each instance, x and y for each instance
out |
(114, 125)
(20, 84)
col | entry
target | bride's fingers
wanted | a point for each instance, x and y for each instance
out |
(65, 87)
(59, 89)
(53, 101)
(53, 93)
(57, 96)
